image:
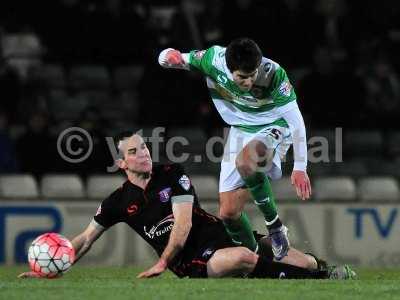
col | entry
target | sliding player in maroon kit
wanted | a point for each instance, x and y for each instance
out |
(161, 205)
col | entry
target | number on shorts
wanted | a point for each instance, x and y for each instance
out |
(275, 133)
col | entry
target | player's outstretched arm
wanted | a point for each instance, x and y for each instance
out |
(84, 241)
(183, 223)
(171, 58)
(299, 176)
(81, 243)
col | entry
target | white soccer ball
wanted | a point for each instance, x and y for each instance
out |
(51, 254)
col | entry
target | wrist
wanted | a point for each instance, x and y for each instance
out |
(300, 166)
(162, 262)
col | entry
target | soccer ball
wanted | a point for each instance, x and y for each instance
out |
(51, 254)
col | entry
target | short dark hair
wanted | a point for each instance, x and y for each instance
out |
(120, 137)
(243, 54)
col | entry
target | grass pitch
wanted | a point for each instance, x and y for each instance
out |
(117, 283)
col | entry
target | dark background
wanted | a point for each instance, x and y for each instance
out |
(93, 64)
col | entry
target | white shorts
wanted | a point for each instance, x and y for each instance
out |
(278, 139)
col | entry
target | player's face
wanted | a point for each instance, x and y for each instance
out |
(245, 80)
(137, 156)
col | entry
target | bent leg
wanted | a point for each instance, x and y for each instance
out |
(240, 261)
(300, 259)
(230, 262)
(235, 220)
(265, 268)
(248, 163)
(294, 257)
(231, 203)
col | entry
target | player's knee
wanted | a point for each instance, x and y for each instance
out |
(261, 150)
(228, 214)
(311, 262)
(244, 167)
(229, 208)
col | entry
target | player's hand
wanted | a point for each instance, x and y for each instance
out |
(174, 57)
(302, 184)
(155, 270)
(32, 274)
(29, 275)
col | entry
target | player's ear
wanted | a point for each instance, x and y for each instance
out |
(120, 163)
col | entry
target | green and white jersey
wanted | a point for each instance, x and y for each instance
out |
(270, 97)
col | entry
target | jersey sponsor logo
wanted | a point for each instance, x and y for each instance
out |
(243, 100)
(250, 101)
(132, 209)
(161, 228)
(184, 181)
(165, 194)
(285, 88)
(198, 54)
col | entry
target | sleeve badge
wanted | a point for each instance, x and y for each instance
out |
(199, 54)
(285, 88)
(184, 181)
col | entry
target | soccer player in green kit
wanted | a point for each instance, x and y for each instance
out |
(254, 96)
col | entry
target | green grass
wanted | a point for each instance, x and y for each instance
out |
(120, 283)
